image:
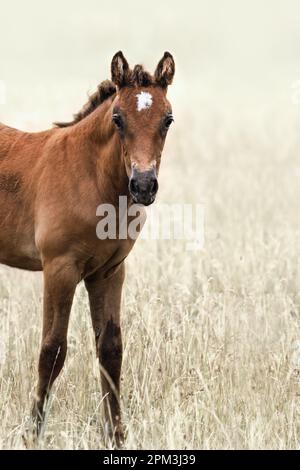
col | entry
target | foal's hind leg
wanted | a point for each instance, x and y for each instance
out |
(105, 300)
(60, 279)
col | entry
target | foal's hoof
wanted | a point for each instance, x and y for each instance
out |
(38, 417)
(114, 437)
(30, 434)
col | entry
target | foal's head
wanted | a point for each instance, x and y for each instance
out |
(142, 116)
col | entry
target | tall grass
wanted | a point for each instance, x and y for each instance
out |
(211, 338)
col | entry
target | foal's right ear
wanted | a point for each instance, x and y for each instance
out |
(119, 70)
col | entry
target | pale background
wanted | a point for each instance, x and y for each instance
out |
(211, 338)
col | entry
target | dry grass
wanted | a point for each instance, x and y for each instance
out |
(210, 337)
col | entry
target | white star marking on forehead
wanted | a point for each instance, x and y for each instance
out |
(144, 100)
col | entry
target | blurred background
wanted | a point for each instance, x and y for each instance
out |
(212, 337)
(52, 53)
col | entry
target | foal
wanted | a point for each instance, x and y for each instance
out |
(51, 183)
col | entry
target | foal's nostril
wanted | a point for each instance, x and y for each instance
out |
(154, 186)
(133, 186)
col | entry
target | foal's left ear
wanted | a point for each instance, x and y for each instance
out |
(119, 70)
(165, 70)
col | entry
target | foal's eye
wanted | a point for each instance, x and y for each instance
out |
(117, 120)
(168, 120)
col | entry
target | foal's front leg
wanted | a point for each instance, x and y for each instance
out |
(105, 302)
(60, 280)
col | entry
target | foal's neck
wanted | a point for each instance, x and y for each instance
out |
(105, 152)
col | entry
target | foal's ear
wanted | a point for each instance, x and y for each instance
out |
(119, 70)
(165, 70)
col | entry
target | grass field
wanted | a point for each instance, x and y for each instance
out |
(211, 338)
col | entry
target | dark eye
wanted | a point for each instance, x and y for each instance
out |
(168, 121)
(117, 119)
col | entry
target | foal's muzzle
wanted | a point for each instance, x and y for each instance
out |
(143, 186)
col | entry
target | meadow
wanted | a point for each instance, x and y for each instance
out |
(211, 337)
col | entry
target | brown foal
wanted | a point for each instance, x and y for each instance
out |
(51, 184)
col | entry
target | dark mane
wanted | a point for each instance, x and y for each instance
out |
(136, 77)
(104, 91)
(139, 77)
